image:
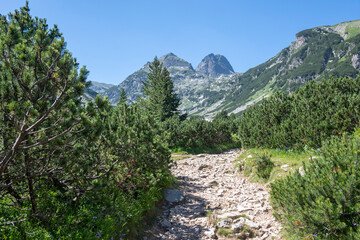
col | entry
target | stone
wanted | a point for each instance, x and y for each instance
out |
(237, 227)
(165, 223)
(231, 215)
(173, 196)
(242, 221)
(210, 232)
(223, 224)
(285, 166)
(204, 166)
(244, 209)
(301, 171)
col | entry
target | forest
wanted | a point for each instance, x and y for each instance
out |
(71, 169)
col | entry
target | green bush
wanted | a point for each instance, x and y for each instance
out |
(308, 117)
(325, 201)
(196, 132)
(264, 166)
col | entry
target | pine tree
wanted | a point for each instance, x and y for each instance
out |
(122, 97)
(161, 100)
(40, 109)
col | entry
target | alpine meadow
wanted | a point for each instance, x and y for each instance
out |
(177, 152)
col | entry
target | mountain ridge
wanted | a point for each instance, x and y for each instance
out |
(316, 53)
(181, 72)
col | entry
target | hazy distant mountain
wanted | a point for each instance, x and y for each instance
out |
(100, 88)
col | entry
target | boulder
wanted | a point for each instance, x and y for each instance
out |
(173, 196)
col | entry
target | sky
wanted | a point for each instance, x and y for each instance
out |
(115, 38)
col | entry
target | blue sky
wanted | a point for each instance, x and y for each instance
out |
(114, 38)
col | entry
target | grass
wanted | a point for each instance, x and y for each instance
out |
(179, 156)
(224, 232)
(204, 149)
(293, 160)
(353, 29)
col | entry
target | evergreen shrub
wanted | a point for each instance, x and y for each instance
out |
(324, 203)
(308, 117)
(264, 165)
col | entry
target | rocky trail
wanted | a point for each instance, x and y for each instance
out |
(213, 202)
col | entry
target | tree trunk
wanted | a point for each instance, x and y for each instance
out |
(30, 185)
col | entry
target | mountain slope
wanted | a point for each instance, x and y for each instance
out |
(213, 86)
(318, 52)
(100, 88)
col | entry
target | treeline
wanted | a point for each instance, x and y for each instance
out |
(309, 116)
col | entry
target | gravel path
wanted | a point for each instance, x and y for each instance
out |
(211, 196)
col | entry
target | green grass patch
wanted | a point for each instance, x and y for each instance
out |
(353, 29)
(285, 162)
(179, 156)
(204, 149)
(224, 232)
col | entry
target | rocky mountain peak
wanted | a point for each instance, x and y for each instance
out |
(171, 60)
(214, 66)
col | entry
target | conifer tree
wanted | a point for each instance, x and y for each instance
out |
(122, 97)
(40, 109)
(161, 100)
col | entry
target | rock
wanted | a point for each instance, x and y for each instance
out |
(231, 215)
(173, 196)
(237, 227)
(284, 167)
(223, 224)
(242, 209)
(264, 236)
(165, 223)
(203, 166)
(244, 221)
(213, 183)
(301, 171)
(355, 60)
(210, 232)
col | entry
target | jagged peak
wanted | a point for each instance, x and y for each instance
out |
(171, 60)
(214, 66)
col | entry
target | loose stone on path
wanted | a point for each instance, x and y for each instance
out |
(211, 196)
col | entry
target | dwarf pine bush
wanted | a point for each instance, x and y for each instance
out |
(307, 117)
(325, 201)
(264, 166)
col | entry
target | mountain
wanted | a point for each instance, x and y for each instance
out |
(187, 81)
(100, 88)
(317, 53)
(215, 65)
(214, 86)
